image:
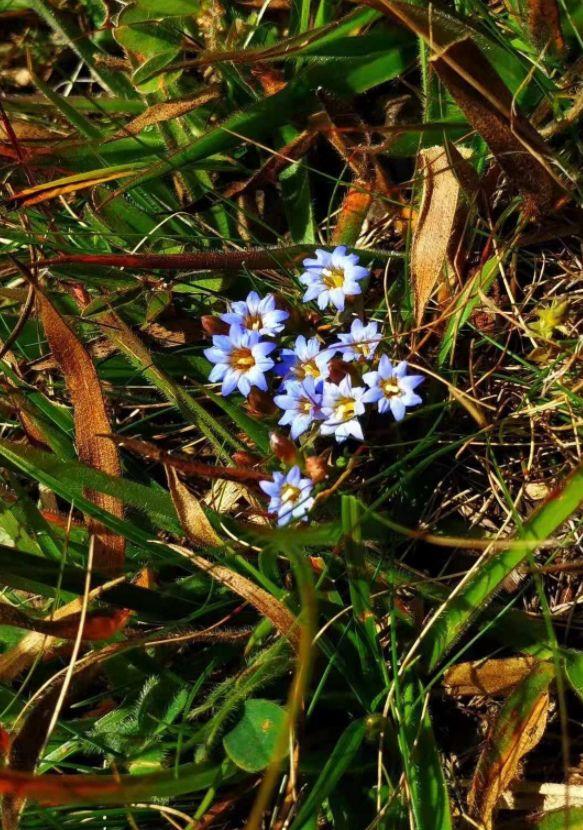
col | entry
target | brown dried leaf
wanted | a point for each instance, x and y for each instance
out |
(488, 105)
(353, 213)
(61, 187)
(27, 132)
(166, 111)
(91, 425)
(283, 620)
(438, 230)
(516, 731)
(192, 517)
(487, 677)
(544, 24)
(99, 625)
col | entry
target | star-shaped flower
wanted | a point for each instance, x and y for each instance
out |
(331, 277)
(341, 405)
(360, 343)
(306, 359)
(256, 314)
(392, 388)
(240, 359)
(302, 401)
(290, 496)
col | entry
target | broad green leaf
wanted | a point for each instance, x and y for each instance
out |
(251, 744)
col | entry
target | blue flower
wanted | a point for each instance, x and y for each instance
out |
(306, 359)
(360, 343)
(241, 360)
(256, 314)
(341, 406)
(331, 277)
(302, 402)
(290, 496)
(392, 387)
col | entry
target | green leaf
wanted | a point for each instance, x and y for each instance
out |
(466, 302)
(425, 777)
(482, 584)
(338, 762)
(253, 741)
(565, 818)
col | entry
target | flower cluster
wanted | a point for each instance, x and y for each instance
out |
(310, 393)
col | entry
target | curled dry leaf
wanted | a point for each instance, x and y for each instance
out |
(353, 213)
(99, 625)
(192, 517)
(283, 620)
(439, 227)
(487, 677)
(516, 731)
(91, 425)
(65, 620)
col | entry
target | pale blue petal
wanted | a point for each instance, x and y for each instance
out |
(230, 382)
(397, 408)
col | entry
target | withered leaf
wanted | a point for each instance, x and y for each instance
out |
(487, 677)
(487, 103)
(516, 731)
(91, 425)
(70, 184)
(438, 229)
(192, 517)
(166, 111)
(283, 620)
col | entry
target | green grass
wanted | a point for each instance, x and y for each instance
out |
(240, 674)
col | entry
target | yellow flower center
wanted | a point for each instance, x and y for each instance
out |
(289, 493)
(253, 322)
(333, 277)
(242, 359)
(362, 348)
(305, 406)
(308, 368)
(345, 409)
(390, 387)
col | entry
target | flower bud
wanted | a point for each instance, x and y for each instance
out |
(212, 325)
(338, 369)
(283, 448)
(317, 468)
(245, 459)
(260, 403)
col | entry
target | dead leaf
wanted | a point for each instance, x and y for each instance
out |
(29, 133)
(166, 111)
(185, 464)
(91, 425)
(70, 184)
(283, 620)
(99, 625)
(439, 227)
(352, 214)
(192, 517)
(487, 103)
(516, 731)
(18, 659)
(487, 677)
(544, 24)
